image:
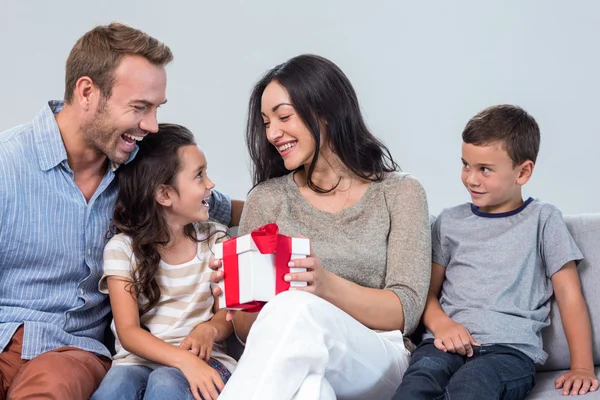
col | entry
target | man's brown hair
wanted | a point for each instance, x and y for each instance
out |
(98, 53)
(509, 126)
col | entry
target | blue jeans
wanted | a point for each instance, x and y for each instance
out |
(493, 372)
(138, 382)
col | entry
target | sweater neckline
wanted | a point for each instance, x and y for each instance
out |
(351, 210)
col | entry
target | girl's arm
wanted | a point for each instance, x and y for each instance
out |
(201, 339)
(133, 337)
(203, 379)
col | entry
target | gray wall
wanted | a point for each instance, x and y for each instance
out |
(421, 70)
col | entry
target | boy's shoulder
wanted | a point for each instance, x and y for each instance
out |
(460, 211)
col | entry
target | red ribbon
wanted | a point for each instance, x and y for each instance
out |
(267, 240)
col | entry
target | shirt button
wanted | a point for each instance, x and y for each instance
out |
(68, 316)
(89, 251)
(80, 291)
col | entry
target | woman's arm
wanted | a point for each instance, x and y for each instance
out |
(400, 304)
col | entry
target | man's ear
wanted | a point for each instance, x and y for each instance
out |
(163, 196)
(86, 93)
(525, 172)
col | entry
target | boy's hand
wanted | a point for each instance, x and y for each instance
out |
(577, 381)
(200, 341)
(454, 338)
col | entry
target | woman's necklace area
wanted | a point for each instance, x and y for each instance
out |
(323, 196)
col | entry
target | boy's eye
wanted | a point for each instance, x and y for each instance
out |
(200, 174)
(485, 169)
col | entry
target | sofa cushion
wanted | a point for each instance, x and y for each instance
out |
(585, 229)
(544, 387)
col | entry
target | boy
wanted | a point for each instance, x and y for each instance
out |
(497, 262)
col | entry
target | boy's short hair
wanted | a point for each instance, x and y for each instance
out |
(510, 126)
(98, 53)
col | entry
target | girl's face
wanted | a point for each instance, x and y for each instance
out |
(284, 128)
(187, 199)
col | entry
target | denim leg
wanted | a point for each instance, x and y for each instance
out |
(428, 373)
(168, 383)
(123, 382)
(494, 372)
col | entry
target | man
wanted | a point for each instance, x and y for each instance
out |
(57, 193)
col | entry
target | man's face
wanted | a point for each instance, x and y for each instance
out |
(130, 112)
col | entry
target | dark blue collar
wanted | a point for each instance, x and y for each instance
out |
(480, 213)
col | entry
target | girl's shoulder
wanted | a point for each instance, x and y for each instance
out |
(119, 241)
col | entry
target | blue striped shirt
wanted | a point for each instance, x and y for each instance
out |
(52, 241)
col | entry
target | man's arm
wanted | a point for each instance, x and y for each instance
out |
(224, 210)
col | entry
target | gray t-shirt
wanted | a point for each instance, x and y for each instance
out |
(499, 269)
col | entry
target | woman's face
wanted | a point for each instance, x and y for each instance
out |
(285, 129)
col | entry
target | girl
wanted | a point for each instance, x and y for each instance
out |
(156, 274)
(319, 172)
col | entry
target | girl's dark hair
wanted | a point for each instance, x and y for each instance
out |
(138, 215)
(319, 91)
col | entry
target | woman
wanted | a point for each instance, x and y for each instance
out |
(342, 335)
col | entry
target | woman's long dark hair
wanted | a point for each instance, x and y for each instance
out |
(138, 215)
(319, 91)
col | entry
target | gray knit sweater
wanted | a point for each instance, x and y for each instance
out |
(383, 241)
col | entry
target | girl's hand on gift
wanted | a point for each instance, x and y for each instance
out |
(203, 379)
(200, 341)
(317, 278)
(216, 277)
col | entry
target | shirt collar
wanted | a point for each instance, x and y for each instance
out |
(48, 141)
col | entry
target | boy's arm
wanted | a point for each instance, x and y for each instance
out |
(433, 314)
(449, 335)
(576, 322)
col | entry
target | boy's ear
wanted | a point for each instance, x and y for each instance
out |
(525, 172)
(163, 196)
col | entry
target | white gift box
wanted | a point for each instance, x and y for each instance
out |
(257, 271)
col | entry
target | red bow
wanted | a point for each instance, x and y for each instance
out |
(268, 241)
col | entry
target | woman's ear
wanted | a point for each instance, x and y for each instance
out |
(163, 196)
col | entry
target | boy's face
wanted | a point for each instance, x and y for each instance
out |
(491, 179)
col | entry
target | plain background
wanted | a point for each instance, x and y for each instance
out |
(421, 70)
